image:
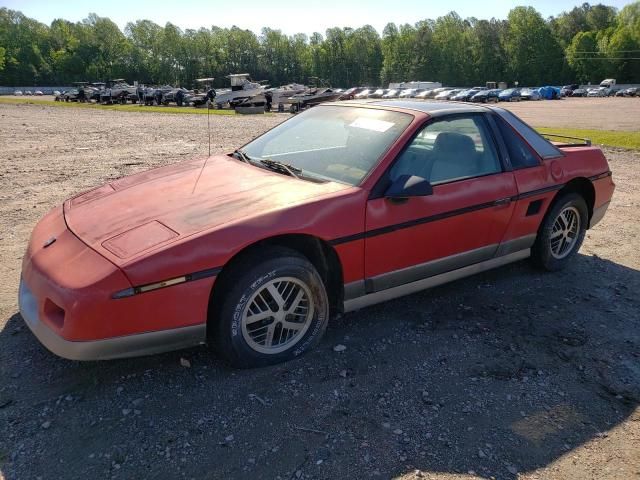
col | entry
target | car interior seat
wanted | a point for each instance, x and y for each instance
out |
(454, 156)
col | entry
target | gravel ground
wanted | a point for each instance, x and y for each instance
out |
(608, 113)
(508, 374)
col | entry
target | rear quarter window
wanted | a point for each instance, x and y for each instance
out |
(541, 145)
(520, 154)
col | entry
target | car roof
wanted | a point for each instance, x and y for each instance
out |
(430, 108)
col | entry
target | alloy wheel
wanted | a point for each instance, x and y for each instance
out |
(565, 232)
(278, 315)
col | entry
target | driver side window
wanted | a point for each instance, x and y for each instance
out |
(449, 149)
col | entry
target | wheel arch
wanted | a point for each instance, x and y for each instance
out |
(581, 186)
(318, 251)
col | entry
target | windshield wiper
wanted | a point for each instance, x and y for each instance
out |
(282, 167)
(242, 155)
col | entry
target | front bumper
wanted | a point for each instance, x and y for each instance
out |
(119, 347)
(66, 299)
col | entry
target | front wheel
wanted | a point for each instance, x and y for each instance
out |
(273, 310)
(561, 233)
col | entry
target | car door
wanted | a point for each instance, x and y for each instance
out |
(461, 223)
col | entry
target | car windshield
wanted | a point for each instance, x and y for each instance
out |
(335, 143)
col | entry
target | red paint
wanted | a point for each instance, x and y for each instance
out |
(152, 226)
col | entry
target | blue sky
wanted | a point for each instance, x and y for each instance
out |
(287, 15)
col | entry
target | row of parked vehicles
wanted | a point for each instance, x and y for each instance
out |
(243, 94)
(247, 96)
(475, 94)
(576, 91)
(37, 93)
(486, 95)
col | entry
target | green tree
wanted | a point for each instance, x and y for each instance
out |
(488, 57)
(534, 57)
(586, 65)
(451, 42)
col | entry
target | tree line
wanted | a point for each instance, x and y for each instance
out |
(586, 44)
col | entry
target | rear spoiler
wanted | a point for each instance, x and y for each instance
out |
(580, 142)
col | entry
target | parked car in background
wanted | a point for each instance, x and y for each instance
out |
(598, 92)
(18, 93)
(630, 92)
(408, 93)
(510, 95)
(255, 250)
(38, 93)
(568, 90)
(70, 95)
(549, 93)
(350, 93)
(436, 91)
(378, 93)
(28, 92)
(447, 94)
(579, 92)
(460, 96)
(465, 95)
(425, 93)
(56, 92)
(364, 93)
(486, 96)
(530, 94)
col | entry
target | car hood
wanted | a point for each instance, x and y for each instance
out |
(128, 217)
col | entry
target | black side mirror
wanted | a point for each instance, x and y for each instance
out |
(406, 186)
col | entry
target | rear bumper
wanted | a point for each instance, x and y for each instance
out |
(119, 347)
(598, 214)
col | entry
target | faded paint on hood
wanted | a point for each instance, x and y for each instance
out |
(135, 214)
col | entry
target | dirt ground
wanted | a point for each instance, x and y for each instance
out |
(608, 113)
(513, 373)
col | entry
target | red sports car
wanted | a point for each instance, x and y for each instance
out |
(341, 207)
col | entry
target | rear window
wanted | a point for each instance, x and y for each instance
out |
(541, 145)
(520, 154)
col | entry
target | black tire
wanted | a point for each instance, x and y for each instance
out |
(541, 252)
(249, 276)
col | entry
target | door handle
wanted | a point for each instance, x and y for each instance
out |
(502, 201)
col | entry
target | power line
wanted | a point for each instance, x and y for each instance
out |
(607, 58)
(617, 51)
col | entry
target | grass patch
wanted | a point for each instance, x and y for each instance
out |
(120, 108)
(600, 137)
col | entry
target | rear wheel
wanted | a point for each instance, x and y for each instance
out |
(274, 308)
(562, 232)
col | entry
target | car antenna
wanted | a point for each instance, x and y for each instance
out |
(210, 94)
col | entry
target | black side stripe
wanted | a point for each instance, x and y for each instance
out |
(412, 223)
(601, 175)
(539, 191)
(452, 213)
